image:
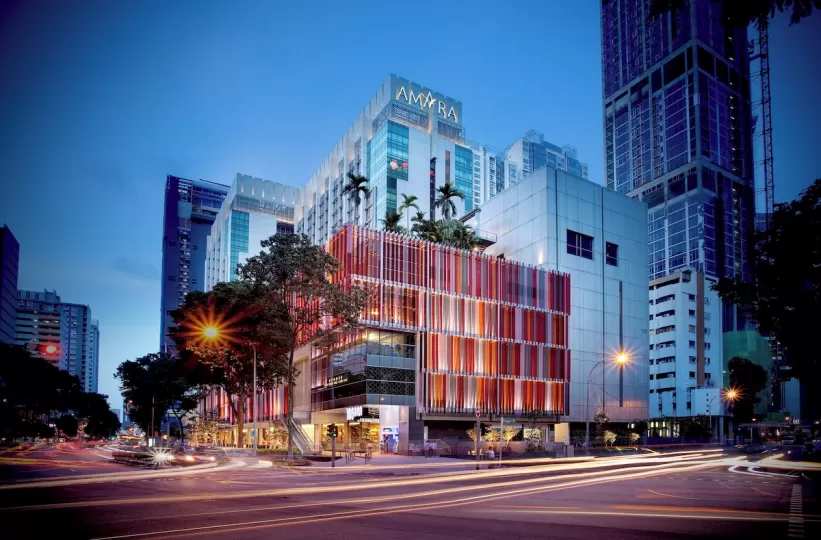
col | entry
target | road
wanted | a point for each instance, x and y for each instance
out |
(686, 495)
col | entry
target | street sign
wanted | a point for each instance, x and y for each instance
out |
(510, 420)
(478, 413)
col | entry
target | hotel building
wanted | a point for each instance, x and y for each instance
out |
(253, 210)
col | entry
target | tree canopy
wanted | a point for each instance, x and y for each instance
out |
(784, 299)
(746, 12)
(749, 379)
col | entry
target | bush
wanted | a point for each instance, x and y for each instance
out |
(296, 462)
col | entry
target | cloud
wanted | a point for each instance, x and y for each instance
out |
(136, 269)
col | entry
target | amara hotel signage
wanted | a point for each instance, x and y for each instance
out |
(416, 96)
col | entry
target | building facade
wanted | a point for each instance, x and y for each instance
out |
(60, 332)
(191, 206)
(40, 326)
(253, 210)
(563, 223)
(447, 336)
(9, 265)
(686, 350)
(678, 134)
(411, 140)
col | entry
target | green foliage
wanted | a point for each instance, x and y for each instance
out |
(785, 297)
(67, 424)
(695, 427)
(161, 382)
(356, 188)
(444, 200)
(33, 392)
(391, 223)
(749, 379)
(743, 13)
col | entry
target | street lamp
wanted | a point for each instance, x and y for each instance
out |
(621, 359)
(730, 394)
(212, 332)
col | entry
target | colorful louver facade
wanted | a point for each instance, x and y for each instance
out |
(492, 334)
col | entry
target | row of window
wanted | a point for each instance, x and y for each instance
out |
(581, 245)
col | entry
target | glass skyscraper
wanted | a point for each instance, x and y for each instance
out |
(678, 133)
(190, 209)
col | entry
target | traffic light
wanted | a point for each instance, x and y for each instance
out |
(484, 429)
(333, 431)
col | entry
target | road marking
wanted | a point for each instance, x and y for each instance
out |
(796, 529)
(764, 492)
(672, 496)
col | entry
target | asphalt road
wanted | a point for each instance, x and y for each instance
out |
(694, 496)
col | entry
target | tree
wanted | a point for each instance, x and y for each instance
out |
(67, 424)
(444, 201)
(696, 427)
(784, 299)
(408, 202)
(609, 437)
(204, 428)
(601, 420)
(102, 426)
(634, 437)
(459, 235)
(746, 12)
(355, 189)
(749, 379)
(247, 325)
(391, 223)
(293, 279)
(160, 382)
(417, 220)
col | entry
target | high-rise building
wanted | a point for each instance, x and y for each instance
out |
(254, 210)
(9, 265)
(60, 332)
(411, 140)
(678, 135)
(191, 206)
(41, 328)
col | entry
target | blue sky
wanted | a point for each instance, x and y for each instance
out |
(100, 100)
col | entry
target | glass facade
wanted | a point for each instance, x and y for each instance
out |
(464, 175)
(239, 240)
(678, 132)
(387, 165)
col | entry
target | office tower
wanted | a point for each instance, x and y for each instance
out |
(253, 210)
(678, 135)
(9, 264)
(190, 209)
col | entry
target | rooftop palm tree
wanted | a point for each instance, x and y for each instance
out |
(408, 202)
(460, 235)
(430, 230)
(355, 188)
(417, 220)
(391, 223)
(444, 200)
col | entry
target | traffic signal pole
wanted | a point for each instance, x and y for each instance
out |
(333, 451)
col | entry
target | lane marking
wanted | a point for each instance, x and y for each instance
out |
(796, 527)
(764, 492)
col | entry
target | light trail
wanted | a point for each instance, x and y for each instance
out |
(393, 509)
(314, 490)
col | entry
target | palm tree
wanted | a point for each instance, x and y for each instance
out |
(430, 230)
(408, 202)
(356, 187)
(391, 223)
(444, 200)
(417, 221)
(460, 235)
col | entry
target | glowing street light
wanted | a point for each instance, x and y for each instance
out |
(621, 359)
(210, 332)
(51, 349)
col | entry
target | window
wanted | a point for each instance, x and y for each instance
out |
(612, 253)
(692, 313)
(692, 328)
(692, 297)
(172, 278)
(579, 244)
(692, 344)
(692, 374)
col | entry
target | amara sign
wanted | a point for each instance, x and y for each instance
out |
(427, 101)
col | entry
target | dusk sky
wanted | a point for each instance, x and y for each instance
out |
(99, 101)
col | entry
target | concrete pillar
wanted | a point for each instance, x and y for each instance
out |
(562, 433)
(721, 438)
(411, 430)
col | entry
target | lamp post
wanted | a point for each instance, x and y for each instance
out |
(621, 359)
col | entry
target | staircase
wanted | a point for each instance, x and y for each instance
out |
(300, 438)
